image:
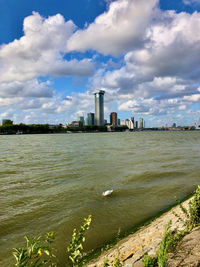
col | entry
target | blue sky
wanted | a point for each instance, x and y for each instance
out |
(144, 54)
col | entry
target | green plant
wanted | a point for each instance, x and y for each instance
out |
(38, 252)
(193, 214)
(194, 208)
(174, 238)
(149, 261)
(117, 263)
(162, 251)
(105, 263)
(75, 247)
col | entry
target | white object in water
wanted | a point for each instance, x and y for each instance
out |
(107, 193)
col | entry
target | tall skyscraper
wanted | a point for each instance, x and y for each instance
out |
(99, 107)
(113, 118)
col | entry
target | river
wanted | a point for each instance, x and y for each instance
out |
(51, 182)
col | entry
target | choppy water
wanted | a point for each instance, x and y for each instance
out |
(50, 182)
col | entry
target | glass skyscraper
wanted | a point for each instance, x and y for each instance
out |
(99, 107)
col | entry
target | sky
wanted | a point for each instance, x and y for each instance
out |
(145, 54)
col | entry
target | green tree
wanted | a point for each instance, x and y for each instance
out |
(7, 122)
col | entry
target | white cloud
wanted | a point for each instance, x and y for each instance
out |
(162, 75)
(119, 29)
(41, 51)
(30, 88)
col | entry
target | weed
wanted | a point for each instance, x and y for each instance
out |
(75, 247)
(117, 263)
(194, 208)
(162, 251)
(149, 261)
(174, 239)
(105, 264)
(38, 252)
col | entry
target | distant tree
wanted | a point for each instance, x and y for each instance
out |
(7, 122)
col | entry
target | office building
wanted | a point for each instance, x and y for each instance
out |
(118, 121)
(99, 107)
(136, 125)
(81, 120)
(90, 119)
(113, 118)
(141, 123)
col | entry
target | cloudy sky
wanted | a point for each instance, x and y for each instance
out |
(144, 53)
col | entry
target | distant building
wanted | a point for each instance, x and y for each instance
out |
(128, 123)
(90, 119)
(141, 123)
(113, 118)
(174, 125)
(118, 121)
(131, 123)
(136, 125)
(99, 107)
(81, 120)
(125, 122)
(75, 124)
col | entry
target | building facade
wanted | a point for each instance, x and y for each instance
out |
(90, 119)
(141, 123)
(99, 107)
(113, 118)
(81, 120)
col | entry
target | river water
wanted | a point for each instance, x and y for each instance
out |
(51, 182)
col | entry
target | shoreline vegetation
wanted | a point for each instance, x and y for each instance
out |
(8, 128)
(155, 242)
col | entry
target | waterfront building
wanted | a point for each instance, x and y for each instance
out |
(99, 107)
(128, 123)
(81, 120)
(125, 122)
(136, 125)
(118, 121)
(141, 123)
(131, 123)
(90, 119)
(113, 118)
(75, 124)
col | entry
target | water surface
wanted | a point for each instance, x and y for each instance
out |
(51, 182)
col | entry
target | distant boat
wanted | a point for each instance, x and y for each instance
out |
(107, 193)
(18, 132)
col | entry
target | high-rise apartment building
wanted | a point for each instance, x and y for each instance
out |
(113, 118)
(99, 107)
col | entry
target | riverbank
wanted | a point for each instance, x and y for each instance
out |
(131, 250)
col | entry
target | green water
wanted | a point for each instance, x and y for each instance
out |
(50, 182)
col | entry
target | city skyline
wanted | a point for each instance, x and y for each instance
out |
(143, 54)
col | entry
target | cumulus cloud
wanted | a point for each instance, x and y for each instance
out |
(119, 29)
(41, 51)
(155, 72)
(164, 73)
(30, 88)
